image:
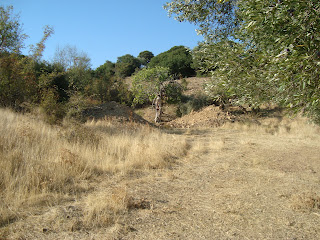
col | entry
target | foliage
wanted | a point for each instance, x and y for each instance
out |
(193, 103)
(178, 59)
(76, 105)
(120, 93)
(203, 59)
(99, 89)
(77, 66)
(126, 65)
(11, 35)
(71, 57)
(276, 55)
(37, 50)
(147, 83)
(53, 78)
(105, 71)
(173, 92)
(63, 87)
(292, 27)
(145, 57)
(53, 109)
(17, 80)
(216, 19)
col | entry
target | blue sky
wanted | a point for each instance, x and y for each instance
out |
(104, 29)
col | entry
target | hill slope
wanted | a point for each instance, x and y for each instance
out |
(212, 174)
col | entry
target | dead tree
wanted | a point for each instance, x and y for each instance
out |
(157, 104)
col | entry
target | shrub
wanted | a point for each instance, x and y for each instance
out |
(173, 92)
(194, 103)
(53, 109)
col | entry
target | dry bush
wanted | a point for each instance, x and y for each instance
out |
(42, 164)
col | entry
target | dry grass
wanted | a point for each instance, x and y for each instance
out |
(42, 165)
(103, 208)
(253, 180)
(241, 181)
(279, 126)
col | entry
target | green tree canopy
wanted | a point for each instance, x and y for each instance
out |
(274, 55)
(11, 34)
(178, 59)
(216, 19)
(145, 57)
(147, 83)
(106, 70)
(126, 65)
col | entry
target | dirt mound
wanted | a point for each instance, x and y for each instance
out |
(114, 111)
(211, 116)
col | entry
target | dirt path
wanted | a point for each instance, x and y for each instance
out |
(236, 185)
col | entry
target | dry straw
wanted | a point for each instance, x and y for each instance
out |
(42, 164)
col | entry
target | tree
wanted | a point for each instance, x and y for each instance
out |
(102, 82)
(126, 65)
(178, 59)
(216, 19)
(11, 34)
(17, 80)
(107, 70)
(37, 50)
(203, 58)
(146, 84)
(77, 64)
(70, 57)
(145, 57)
(276, 57)
(19, 76)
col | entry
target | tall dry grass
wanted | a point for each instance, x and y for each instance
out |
(300, 127)
(41, 164)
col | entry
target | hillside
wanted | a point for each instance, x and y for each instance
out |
(211, 174)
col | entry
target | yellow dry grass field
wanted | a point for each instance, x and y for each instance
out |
(43, 166)
(108, 180)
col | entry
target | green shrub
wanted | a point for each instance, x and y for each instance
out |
(194, 103)
(173, 92)
(53, 109)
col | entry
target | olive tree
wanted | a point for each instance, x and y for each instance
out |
(264, 51)
(147, 83)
